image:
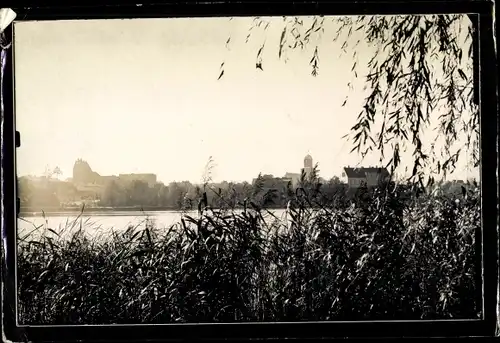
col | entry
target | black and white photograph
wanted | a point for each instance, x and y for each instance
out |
(247, 169)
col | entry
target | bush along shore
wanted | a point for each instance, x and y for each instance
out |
(383, 255)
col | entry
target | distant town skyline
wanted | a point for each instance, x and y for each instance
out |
(60, 174)
(143, 96)
(70, 176)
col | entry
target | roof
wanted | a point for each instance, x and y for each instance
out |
(361, 172)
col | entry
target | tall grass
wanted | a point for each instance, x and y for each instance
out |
(387, 259)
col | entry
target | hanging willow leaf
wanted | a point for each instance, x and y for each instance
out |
(221, 73)
(260, 51)
(409, 52)
(282, 42)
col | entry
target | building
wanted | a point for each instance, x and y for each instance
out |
(372, 176)
(308, 168)
(308, 165)
(150, 179)
(84, 176)
(294, 178)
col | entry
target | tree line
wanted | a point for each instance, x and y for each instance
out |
(264, 191)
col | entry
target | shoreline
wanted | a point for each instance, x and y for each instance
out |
(74, 211)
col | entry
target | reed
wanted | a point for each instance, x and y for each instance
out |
(387, 259)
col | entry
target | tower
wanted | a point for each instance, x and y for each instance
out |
(82, 173)
(308, 165)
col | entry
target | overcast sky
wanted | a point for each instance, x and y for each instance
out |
(142, 96)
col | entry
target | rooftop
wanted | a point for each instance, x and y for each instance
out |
(362, 171)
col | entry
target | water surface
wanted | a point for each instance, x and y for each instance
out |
(103, 223)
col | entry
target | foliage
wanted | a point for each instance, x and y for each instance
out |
(419, 75)
(383, 253)
(382, 256)
(275, 192)
(46, 193)
(265, 191)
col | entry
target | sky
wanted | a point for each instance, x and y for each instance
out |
(143, 96)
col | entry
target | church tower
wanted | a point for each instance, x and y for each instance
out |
(308, 165)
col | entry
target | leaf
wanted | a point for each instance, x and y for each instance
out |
(148, 235)
(282, 42)
(260, 51)
(222, 73)
(55, 233)
(462, 74)
(42, 276)
(134, 236)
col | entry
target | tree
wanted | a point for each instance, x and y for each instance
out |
(49, 173)
(420, 65)
(25, 191)
(140, 193)
(176, 195)
(113, 195)
(335, 181)
(57, 171)
(164, 196)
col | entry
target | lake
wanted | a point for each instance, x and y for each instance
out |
(96, 224)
